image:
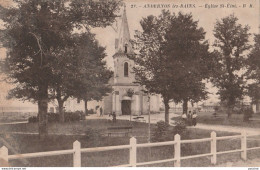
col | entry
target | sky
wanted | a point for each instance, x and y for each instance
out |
(136, 10)
(247, 12)
(207, 17)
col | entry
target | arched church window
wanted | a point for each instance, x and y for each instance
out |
(126, 69)
(125, 48)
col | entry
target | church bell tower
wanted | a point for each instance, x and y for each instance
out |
(122, 64)
(126, 98)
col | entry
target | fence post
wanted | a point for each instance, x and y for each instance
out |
(77, 154)
(4, 157)
(213, 147)
(243, 145)
(177, 150)
(132, 155)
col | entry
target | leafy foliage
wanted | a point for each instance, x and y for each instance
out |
(231, 46)
(92, 76)
(33, 119)
(161, 133)
(150, 69)
(72, 116)
(80, 71)
(130, 92)
(37, 34)
(248, 113)
(164, 132)
(172, 58)
(54, 117)
(92, 134)
(253, 72)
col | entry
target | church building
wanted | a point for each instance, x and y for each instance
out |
(127, 96)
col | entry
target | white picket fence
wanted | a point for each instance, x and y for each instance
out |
(77, 150)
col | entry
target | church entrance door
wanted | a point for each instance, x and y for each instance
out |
(126, 107)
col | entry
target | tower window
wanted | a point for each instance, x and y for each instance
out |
(126, 69)
(125, 48)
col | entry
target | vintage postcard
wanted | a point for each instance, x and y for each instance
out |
(127, 83)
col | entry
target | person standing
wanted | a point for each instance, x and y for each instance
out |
(101, 111)
(97, 110)
(190, 118)
(184, 118)
(194, 118)
(114, 117)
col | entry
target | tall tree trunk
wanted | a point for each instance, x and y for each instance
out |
(231, 105)
(257, 106)
(61, 103)
(166, 105)
(61, 111)
(42, 110)
(86, 107)
(229, 111)
(185, 106)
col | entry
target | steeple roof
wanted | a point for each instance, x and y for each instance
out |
(123, 44)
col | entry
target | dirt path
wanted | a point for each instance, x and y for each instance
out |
(154, 118)
(158, 117)
(236, 129)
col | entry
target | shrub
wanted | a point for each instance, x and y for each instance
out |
(91, 111)
(180, 128)
(53, 117)
(92, 134)
(161, 109)
(33, 119)
(216, 108)
(82, 115)
(238, 110)
(161, 132)
(248, 113)
(164, 132)
(72, 116)
(154, 112)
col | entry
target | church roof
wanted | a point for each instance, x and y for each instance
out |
(123, 41)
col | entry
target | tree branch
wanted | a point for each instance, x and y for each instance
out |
(39, 45)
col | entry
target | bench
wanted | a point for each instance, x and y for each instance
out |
(119, 130)
(254, 119)
(139, 119)
(215, 115)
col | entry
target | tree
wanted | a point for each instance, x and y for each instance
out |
(253, 72)
(150, 68)
(231, 46)
(34, 31)
(92, 81)
(79, 71)
(170, 59)
(188, 58)
(64, 70)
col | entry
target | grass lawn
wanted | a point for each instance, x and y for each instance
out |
(221, 119)
(31, 143)
(76, 128)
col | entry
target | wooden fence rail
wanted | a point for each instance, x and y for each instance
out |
(133, 146)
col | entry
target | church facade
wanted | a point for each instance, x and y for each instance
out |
(127, 97)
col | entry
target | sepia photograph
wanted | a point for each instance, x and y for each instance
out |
(129, 83)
